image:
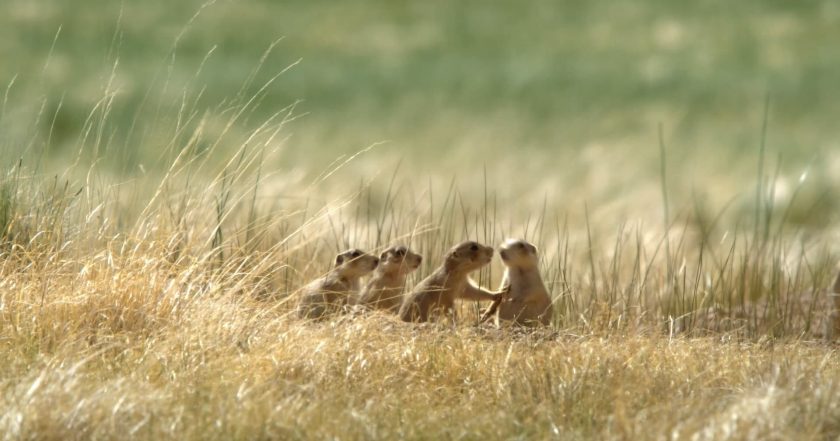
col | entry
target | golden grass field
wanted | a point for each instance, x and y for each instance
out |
(175, 320)
(155, 225)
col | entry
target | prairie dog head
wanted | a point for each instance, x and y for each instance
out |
(355, 263)
(518, 253)
(468, 256)
(399, 259)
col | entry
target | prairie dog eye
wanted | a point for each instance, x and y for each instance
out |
(355, 254)
(474, 247)
(400, 252)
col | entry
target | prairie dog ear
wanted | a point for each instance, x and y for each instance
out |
(532, 248)
(339, 259)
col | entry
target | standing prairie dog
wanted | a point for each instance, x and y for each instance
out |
(384, 291)
(332, 291)
(437, 293)
(524, 299)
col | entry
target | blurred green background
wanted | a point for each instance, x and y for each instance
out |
(568, 88)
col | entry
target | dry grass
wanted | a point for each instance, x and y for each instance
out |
(230, 370)
(154, 303)
(177, 326)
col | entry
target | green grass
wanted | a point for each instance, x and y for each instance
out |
(572, 90)
(559, 75)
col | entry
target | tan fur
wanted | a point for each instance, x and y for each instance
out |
(437, 293)
(329, 293)
(384, 291)
(524, 299)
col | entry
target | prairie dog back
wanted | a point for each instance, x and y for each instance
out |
(384, 291)
(329, 293)
(438, 291)
(524, 298)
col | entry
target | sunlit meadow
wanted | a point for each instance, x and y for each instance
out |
(174, 172)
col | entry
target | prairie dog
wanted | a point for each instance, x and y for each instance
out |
(524, 299)
(438, 291)
(385, 289)
(332, 291)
